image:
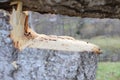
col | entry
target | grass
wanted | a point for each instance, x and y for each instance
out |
(110, 46)
(108, 71)
(106, 41)
(107, 44)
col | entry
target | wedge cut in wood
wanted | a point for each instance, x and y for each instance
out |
(23, 36)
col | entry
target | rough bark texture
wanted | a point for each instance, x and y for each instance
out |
(39, 64)
(82, 8)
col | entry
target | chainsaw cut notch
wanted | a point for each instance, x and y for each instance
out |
(23, 36)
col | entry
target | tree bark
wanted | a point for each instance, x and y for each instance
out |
(82, 8)
(41, 64)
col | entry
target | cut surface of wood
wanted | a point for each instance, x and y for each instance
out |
(23, 37)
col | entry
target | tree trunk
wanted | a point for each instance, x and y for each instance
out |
(42, 64)
(82, 8)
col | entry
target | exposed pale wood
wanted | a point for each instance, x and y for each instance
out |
(24, 37)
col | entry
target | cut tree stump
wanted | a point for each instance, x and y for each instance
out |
(26, 55)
